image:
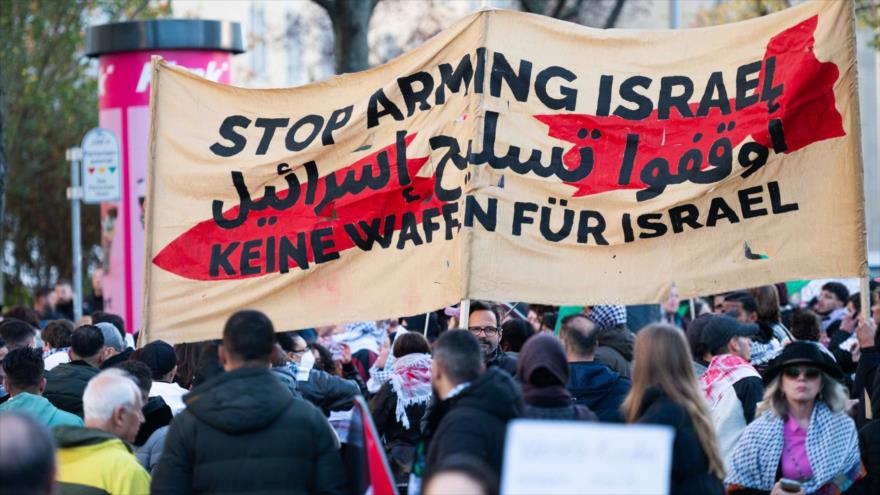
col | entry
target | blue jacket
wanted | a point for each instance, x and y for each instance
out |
(594, 385)
(41, 409)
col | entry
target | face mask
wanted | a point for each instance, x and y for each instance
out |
(305, 365)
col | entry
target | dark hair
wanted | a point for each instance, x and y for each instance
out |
(581, 341)
(805, 325)
(24, 367)
(838, 289)
(767, 299)
(325, 358)
(116, 320)
(459, 355)
(749, 304)
(87, 341)
(249, 336)
(24, 314)
(410, 343)
(188, 355)
(472, 467)
(57, 333)
(694, 334)
(208, 364)
(27, 465)
(285, 340)
(515, 333)
(140, 372)
(42, 291)
(856, 300)
(16, 332)
(484, 306)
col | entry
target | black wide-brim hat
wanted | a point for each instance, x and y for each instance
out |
(807, 353)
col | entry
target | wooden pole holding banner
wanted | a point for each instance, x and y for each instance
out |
(693, 311)
(464, 310)
(425, 330)
(865, 296)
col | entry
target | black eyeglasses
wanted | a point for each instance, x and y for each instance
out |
(809, 372)
(484, 330)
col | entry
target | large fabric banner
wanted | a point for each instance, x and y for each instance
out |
(511, 157)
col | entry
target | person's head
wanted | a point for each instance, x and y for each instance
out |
(23, 371)
(742, 306)
(57, 334)
(293, 345)
(87, 344)
(410, 343)
(140, 373)
(514, 333)
(112, 402)
(834, 296)
(44, 299)
(208, 365)
(580, 335)
(662, 361)
(248, 341)
(483, 324)
(24, 314)
(27, 455)
(323, 358)
(726, 335)
(801, 375)
(113, 319)
(767, 299)
(462, 474)
(160, 359)
(718, 303)
(97, 282)
(458, 358)
(698, 348)
(63, 292)
(608, 316)
(671, 299)
(17, 333)
(113, 342)
(542, 363)
(805, 325)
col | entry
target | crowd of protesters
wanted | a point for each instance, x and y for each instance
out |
(763, 396)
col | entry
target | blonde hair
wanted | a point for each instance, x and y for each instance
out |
(833, 394)
(662, 360)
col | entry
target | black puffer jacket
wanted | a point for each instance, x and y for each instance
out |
(502, 361)
(690, 465)
(243, 432)
(329, 392)
(400, 442)
(66, 383)
(475, 421)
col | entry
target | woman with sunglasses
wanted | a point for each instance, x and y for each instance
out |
(803, 442)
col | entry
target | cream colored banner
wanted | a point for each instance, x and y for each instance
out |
(511, 157)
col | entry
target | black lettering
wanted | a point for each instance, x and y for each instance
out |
(747, 199)
(564, 230)
(371, 233)
(337, 121)
(408, 231)
(221, 259)
(644, 105)
(770, 93)
(715, 84)
(520, 218)
(680, 102)
(388, 108)
(652, 222)
(412, 96)
(629, 158)
(776, 205)
(585, 229)
(568, 100)
(270, 255)
(603, 106)
(481, 70)
(227, 131)
(626, 221)
(686, 214)
(449, 210)
(322, 240)
(517, 83)
(269, 126)
(250, 251)
(744, 85)
(487, 218)
(453, 79)
(287, 251)
(316, 121)
(719, 209)
(428, 224)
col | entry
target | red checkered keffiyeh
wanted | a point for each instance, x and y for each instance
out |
(723, 372)
(411, 381)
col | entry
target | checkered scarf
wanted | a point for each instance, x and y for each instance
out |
(722, 373)
(832, 448)
(608, 315)
(411, 382)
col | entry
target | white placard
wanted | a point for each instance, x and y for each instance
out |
(566, 457)
(101, 166)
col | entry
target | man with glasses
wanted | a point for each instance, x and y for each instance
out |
(483, 323)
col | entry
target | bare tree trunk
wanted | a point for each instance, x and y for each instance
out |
(4, 177)
(351, 22)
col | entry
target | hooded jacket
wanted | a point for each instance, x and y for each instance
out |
(543, 372)
(66, 383)
(41, 409)
(92, 461)
(243, 432)
(615, 350)
(594, 385)
(474, 422)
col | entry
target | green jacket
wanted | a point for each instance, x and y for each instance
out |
(40, 408)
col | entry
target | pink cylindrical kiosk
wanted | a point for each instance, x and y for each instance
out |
(124, 50)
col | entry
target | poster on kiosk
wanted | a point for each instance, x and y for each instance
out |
(123, 51)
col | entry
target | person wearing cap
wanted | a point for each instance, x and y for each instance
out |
(114, 345)
(731, 384)
(802, 432)
(159, 356)
(615, 348)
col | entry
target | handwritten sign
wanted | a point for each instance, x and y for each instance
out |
(564, 457)
(511, 157)
(101, 172)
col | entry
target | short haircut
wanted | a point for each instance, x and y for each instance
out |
(16, 333)
(484, 306)
(57, 333)
(805, 325)
(838, 289)
(42, 291)
(469, 466)
(108, 390)
(249, 336)
(24, 367)
(24, 314)
(410, 343)
(27, 455)
(87, 341)
(581, 341)
(140, 372)
(749, 304)
(112, 338)
(515, 333)
(459, 355)
(116, 320)
(285, 340)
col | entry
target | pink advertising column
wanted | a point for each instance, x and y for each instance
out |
(124, 50)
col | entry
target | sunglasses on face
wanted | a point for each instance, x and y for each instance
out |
(808, 371)
(484, 330)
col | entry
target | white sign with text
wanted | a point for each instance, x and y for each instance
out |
(101, 166)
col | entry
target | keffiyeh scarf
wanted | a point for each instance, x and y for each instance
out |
(722, 373)
(832, 447)
(608, 315)
(411, 382)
